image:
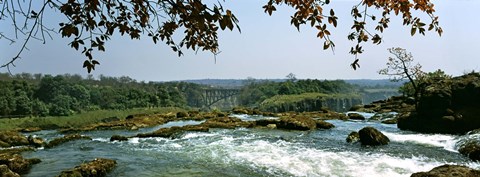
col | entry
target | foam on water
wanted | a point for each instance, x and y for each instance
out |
(285, 158)
(438, 140)
(246, 117)
(101, 139)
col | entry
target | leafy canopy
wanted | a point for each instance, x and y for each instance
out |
(91, 23)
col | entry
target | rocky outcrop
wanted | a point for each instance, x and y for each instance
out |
(324, 125)
(397, 104)
(226, 122)
(353, 137)
(17, 163)
(356, 116)
(35, 141)
(294, 123)
(266, 122)
(297, 123)
(446, 106)
(372, 137)
(66, 138)
(241, 110)
(12, 138)
(449, 171)
(172, 132)
(132, 123)
(471, 149)
(6, 172)
(96, 168)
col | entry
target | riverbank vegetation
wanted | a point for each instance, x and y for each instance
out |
(78, 120)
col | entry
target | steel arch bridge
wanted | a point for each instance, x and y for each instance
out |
(212, 96)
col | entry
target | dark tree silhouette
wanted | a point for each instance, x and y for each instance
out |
(91, 23)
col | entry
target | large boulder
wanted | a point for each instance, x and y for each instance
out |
(471, 149)
(297, 123)
(96, 168)
(446, 106)
(372, 137)
(449, 171)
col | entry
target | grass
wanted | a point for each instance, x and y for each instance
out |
(77, 120)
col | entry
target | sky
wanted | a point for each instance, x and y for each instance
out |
(268, 47)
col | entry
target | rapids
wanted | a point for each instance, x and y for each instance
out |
(255, 152)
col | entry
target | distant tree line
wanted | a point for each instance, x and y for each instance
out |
(45, 95)
(253, 93)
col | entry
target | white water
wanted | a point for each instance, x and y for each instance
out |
(293, 159)
(446, 142)
(261, 152)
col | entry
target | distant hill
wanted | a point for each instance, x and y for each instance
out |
(229, 83)
(237, 83)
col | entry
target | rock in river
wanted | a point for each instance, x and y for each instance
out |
(353, 137)
(471, 149)
(324, 125)
(373, 137)
(66, 138)
(449, 171)
(96, 168)
(297, 123)
(355, 116)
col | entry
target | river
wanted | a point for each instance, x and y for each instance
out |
(255, 152)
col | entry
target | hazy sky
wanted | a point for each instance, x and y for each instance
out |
(269, 47)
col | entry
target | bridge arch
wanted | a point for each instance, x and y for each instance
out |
(213, 96)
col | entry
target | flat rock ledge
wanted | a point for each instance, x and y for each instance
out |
(66, 138)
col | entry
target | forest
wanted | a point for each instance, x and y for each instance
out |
(35, 95)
